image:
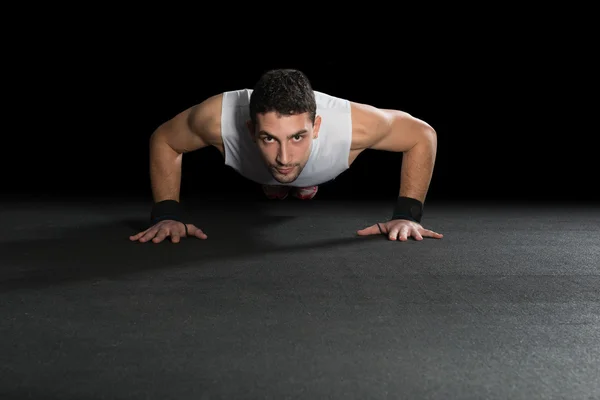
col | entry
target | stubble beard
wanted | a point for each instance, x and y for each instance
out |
(287, 178)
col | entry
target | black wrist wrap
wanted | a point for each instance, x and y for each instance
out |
(408, 208)
(166, 209)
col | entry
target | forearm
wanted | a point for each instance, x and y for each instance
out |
(165, 170)
(417, 168)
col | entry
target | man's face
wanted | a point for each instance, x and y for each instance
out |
(285, 142)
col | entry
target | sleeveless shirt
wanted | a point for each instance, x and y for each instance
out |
(329, 153)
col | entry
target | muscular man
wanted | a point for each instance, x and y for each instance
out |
(290, 138)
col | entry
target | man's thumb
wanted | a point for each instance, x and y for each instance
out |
(371, 230)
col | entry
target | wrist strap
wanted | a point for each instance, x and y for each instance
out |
(166, 209)
(408, 208)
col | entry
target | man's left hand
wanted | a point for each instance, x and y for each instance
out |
(400, 229)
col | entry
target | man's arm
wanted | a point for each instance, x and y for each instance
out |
(397, 131)
(193, 129)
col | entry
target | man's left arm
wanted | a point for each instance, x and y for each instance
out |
(397, 131)
(417, 141)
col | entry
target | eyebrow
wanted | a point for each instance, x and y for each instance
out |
(289, 136)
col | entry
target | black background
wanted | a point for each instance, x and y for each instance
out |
(507, 111)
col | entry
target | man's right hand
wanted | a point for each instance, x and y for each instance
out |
(168, 228)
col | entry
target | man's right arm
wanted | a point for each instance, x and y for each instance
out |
(193, 129)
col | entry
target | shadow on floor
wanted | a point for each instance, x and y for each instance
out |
(105, 251)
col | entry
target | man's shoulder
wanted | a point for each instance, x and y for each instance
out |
(368, 124)
(205, 118)
(329, 100)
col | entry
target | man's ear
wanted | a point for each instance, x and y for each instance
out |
(317, 126)
(251, 128)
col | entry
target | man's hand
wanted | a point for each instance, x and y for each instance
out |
(400, 230)
(168, 228)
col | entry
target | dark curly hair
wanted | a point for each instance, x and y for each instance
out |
(284, 91)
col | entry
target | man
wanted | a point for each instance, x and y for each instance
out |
(289, 138)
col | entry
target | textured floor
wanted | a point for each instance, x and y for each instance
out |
(285, 301)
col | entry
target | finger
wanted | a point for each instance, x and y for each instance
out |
(137, 236)
(393, 235)
(430, 233)
(403, 236)
(175, 238)
(160, 236)
(149, 234)
(371, 230)
(141, 234)
(416, 234)
(193, 231)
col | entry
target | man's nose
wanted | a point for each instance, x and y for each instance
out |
(283, 156)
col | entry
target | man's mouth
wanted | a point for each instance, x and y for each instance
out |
(284, 171)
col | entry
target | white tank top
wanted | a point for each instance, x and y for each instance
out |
(329, 153)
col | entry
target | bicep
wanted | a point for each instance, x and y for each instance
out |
(194, 128)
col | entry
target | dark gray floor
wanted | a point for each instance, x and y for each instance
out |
(285, 301)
